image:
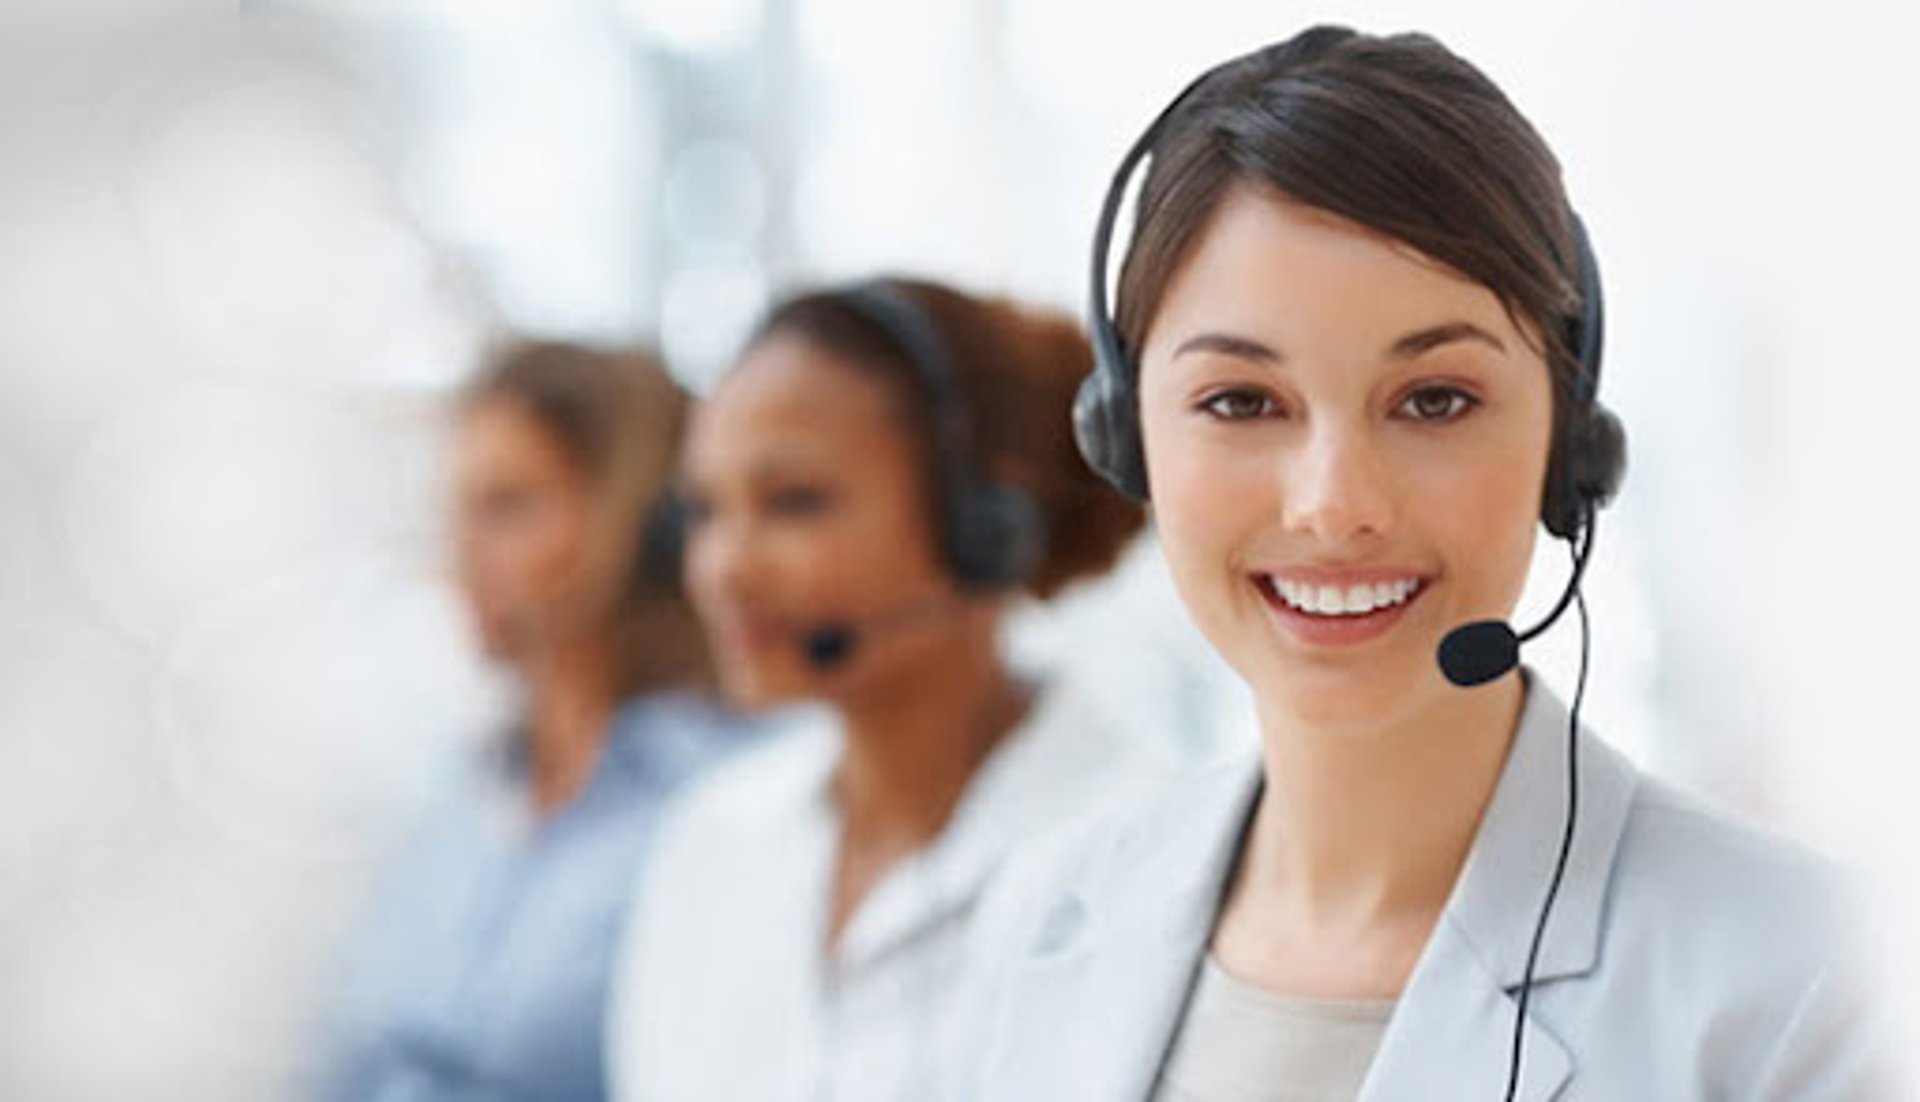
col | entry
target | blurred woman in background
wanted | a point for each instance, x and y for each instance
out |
(483, 972)
(884, 470)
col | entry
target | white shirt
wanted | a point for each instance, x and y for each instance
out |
(724, 990)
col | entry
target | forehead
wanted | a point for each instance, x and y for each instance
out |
(788, 396)
(500, 430)
(1269, 266)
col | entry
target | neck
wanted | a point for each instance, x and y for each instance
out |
(914, 742)
(573, 699)
(1360, 826)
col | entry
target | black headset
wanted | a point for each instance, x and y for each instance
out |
(993, 534)
(1584, 469)
(663, 536)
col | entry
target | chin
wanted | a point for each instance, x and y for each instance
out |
(1349, 692)
(754, 690)
(497, 646)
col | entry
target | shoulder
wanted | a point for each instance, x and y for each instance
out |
(748, 804)
(1073, 759)
(1713, 878)
(1148, 842)
(1168, 818)
(730, 846)
(1751, 941)
(671, 738)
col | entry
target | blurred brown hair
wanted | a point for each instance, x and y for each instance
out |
(1018, 369)
(620, 415)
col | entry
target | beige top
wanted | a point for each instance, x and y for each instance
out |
(1240, 1043)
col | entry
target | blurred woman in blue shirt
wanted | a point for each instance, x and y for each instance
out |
(482, 970)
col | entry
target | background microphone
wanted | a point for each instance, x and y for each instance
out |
(833, 644)
(829, 646)
(1477, 653)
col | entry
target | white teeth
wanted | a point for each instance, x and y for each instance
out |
(1326, 600)
(1332, 602)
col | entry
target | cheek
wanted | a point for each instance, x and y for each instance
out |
(1482, 516)
(881, 550)
(1205, 508)
(548, 554)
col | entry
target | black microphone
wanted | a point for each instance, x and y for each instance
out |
(831, 645)
(1476, 653)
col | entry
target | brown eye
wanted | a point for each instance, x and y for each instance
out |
(798, 501)
(1438, 404)
(1240, 405)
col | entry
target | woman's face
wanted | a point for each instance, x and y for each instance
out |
(806, 509)
(1346, 444)
(523, 517)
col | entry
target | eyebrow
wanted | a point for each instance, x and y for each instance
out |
(1413, 344)
(788, 462)
(1432, 337)
(1227, 344)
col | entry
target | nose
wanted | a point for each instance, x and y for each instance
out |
(1337, 485)
(719, 559)
(474, 555)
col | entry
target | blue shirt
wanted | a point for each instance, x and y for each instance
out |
(483, 974)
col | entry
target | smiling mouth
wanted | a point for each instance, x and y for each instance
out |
(1331, 602)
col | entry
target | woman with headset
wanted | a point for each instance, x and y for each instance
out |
(883, 471)
(482, 970)
(1353, 366)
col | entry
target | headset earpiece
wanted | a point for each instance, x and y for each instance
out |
(1600, 461)
(1106, 426)
(1586, 471)
(999, 537)
(995, 534)
(663, 542)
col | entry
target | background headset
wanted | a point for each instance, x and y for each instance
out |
(993, 535)
(1585, 466)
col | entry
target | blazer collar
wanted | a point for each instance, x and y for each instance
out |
(1122, 947)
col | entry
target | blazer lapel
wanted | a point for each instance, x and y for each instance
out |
(1105, 987)
(1452, 1033)
(1451, 1036)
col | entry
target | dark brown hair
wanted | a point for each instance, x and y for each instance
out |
(1394, 133)
(1017, 369)
(619, 415)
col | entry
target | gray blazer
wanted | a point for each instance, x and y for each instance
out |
(1686, 958)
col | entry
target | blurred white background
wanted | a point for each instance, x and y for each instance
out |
(245, 253)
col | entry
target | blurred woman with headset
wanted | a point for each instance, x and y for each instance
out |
(886, 467)
(482, 972)
(1354, 365)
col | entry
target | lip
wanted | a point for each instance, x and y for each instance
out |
(745, 635)
(1337, 631)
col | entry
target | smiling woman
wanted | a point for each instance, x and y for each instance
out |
(1393, 411)
(1354, 365)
